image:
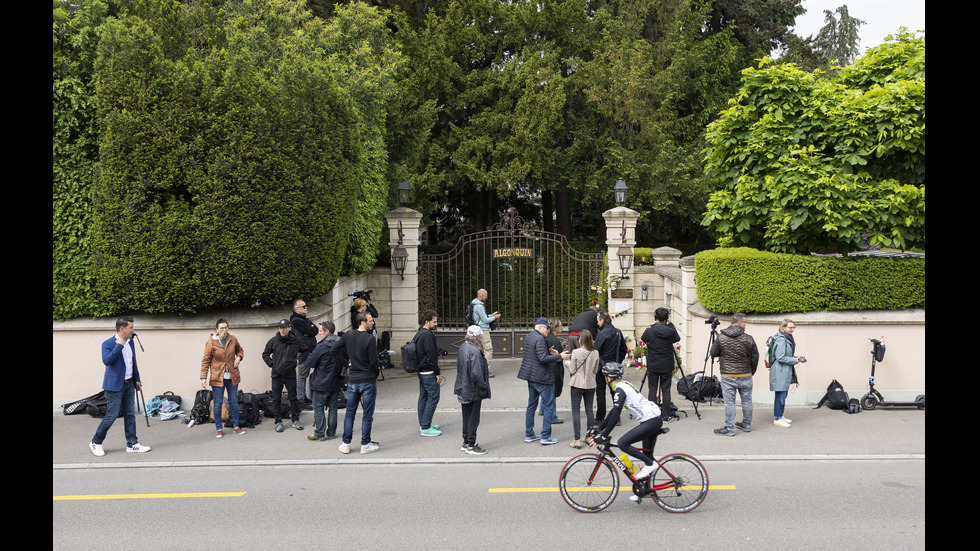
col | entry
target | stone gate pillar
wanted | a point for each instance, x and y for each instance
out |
(620, 225)
(404, 288)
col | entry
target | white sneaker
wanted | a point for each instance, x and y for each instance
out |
(96, 449)
(788, 420)
(137, 448)
(344, 448)
(646, 471)
(781, 423)
(370, 447)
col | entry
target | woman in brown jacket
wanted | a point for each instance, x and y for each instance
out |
(219, 368)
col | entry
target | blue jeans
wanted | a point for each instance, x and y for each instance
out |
(124, 402)
(546, 393)
(365, 394)
(428, 399)
(217, 393)
(326, 400)
(779, 407)
(743, 386)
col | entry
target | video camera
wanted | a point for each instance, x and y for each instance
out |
(366, 295)
(713, 321)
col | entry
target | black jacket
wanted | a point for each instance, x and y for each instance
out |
(325, 373)
(660, 338)
(305, 332)
(280, 354)
(610, 344)
(586, 320)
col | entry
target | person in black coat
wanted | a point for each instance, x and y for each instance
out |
(659, 339)
(612, 348)
(585, 321)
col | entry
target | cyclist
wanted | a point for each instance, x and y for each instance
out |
(647, 414)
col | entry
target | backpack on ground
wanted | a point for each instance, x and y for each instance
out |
(249, 414)
(835, 398)
(770, 351)
(201, 411)
(78, 406)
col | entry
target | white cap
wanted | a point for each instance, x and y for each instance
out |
(474, 331)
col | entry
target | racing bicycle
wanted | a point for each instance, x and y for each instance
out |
(589, 482)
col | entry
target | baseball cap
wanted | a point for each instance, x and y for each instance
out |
(284, 323)
(543, 321)
(474, 331)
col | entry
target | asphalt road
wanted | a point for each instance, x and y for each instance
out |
(832, 479)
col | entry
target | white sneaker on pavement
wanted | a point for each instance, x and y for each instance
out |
(96, 449)
(137, 448)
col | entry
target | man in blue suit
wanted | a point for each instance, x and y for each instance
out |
(121, 381)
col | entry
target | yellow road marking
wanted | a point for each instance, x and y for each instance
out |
(584, 489)
(149, 496)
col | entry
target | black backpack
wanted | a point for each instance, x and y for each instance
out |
(469, 315)
(249, 413)
(835, 398)
(201, 411)
(410, 358)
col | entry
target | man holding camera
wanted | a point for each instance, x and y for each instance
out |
(429, 376)
(738, 357)
(483, 320)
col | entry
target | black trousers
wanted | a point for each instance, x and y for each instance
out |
(471, 420)
(278, 381)
(646, 432)
(600, 394)
(662, 382)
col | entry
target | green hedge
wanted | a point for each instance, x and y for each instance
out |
(751, 281)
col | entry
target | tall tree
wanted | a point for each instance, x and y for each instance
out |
(813, 164)
(838, 39)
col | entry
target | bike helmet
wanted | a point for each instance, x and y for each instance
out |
(613, 369)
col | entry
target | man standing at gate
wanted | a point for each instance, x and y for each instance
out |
(483, 321)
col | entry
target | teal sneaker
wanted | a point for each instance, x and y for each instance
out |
(431, 432)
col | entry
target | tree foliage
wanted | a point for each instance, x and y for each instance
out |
(233, 139)
(812, 164)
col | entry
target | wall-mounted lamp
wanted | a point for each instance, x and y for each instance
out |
(399, 256)
(625, 254)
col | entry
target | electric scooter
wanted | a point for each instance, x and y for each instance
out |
(874, 398)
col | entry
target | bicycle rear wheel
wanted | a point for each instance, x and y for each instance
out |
(588, 483)
(680, 484)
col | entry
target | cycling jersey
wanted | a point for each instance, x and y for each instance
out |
(647, 414)
(627, 396)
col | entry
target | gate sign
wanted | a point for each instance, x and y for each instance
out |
(513, 252)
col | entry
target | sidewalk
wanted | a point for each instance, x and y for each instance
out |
(816, 433)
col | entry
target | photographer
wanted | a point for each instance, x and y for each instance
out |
(660, 338)
(362, 303)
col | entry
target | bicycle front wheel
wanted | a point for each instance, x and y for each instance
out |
(589, 483)
(680, 484)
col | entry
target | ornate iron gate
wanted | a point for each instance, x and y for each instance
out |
(527, 273)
